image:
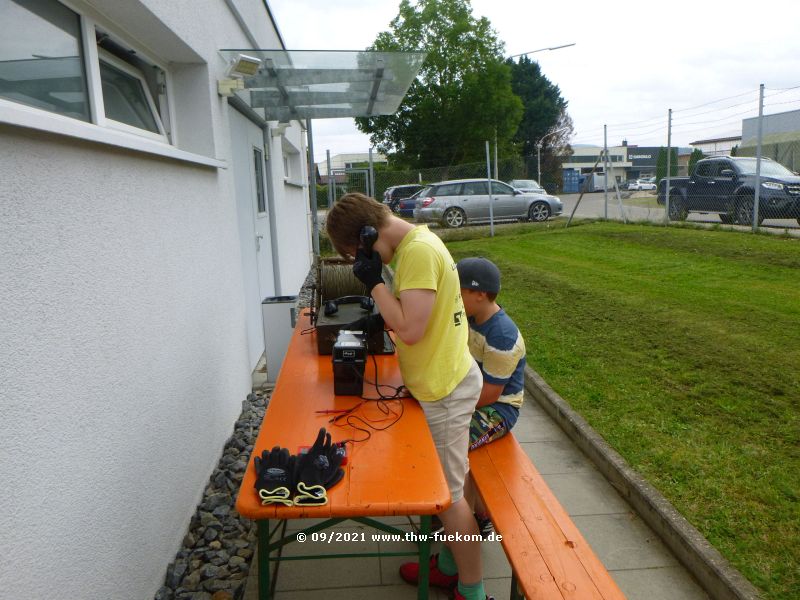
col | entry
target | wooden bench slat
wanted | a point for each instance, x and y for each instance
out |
(518, 511)
(523, 554)
(520, 503)
(593, 565)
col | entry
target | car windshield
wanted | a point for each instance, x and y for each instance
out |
(768, 168)
(528, 183)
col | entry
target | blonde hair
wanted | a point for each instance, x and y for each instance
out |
(348, 215)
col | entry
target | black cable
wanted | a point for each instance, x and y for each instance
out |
(365, 424)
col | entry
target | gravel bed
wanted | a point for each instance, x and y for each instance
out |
(215, 557)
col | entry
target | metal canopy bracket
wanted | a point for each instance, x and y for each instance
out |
(317, 84)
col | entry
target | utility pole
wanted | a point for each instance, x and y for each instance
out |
(539, 153)
(539, 145)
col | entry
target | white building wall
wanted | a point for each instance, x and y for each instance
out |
(293, 216)
(340, 161)
(716, 147)
(122, 328)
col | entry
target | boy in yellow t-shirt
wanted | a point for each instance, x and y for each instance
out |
(427, 315)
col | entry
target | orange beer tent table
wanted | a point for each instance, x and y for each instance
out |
(394, 472)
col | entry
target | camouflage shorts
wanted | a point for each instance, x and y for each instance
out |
(486, 426)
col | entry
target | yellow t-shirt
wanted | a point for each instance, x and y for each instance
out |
(436, 364)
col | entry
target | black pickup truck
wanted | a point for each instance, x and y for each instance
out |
(726, 185)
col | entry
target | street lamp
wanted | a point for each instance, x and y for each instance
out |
(541, 50)
(539, 152)
(539, 145)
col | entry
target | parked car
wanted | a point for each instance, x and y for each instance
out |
(527, 185)
(726, 185)
(406, 206)
(643, 184)
(458, 202)
(393, 195)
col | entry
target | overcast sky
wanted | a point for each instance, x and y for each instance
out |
(632, 60)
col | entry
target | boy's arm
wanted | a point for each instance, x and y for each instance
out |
(409, 315)
(490, 392)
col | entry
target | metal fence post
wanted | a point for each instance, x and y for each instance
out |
(331, 181)
(757, 195)
(605, 172)
(312, 177)
(491, 198)
(669, 166)
(371, 185)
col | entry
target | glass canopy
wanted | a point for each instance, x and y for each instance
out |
(320, 84)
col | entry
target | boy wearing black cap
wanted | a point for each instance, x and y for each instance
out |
(497, 345)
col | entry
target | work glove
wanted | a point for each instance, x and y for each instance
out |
(275, 472)
(368, 268)
(318, 470)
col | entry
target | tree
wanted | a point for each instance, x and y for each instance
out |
(462, 95)
(696, 155)
(544, 110)
(661, 163)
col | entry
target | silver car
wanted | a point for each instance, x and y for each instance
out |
(527, 185)
(461, 201)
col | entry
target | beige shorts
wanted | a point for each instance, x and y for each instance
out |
(449, 419)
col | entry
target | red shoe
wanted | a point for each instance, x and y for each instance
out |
(410, 574)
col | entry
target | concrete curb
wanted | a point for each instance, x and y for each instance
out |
(716, 576)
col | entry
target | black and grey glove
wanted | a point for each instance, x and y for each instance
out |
(275, 472)
(318, 471)
(368, 268)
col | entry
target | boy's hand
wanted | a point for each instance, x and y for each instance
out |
(368, 268)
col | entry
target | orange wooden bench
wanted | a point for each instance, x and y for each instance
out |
(549, 557)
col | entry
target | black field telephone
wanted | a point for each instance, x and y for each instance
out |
(367, 236)
(332, 306)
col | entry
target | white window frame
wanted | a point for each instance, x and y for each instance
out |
(101, 129)
(287, 171)
(107, 57)
(260, 175)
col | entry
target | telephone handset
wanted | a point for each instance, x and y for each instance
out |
(367, 237)
(332, 306)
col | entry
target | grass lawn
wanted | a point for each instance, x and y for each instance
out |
(681, 347)
(643, 201)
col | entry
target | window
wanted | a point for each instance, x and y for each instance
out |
(450, 189)
(475, 188)
(704, 170)
(286, 168)
(261, 199)
(41, 57)
(501, 189)
(725, 165)
(49, 60)
(126, 100)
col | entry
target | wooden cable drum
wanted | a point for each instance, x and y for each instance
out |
(335, 279)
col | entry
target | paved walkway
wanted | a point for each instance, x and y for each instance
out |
(637, 560)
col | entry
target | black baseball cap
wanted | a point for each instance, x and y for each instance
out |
(480, 274)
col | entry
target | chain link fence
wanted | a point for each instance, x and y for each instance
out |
(714, 181)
